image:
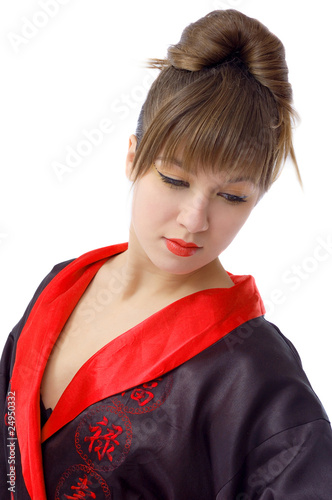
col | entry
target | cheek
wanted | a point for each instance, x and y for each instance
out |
(229, 223)
(149, 206)
(241, 217)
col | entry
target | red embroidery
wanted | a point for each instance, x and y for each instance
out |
(141, 395)
(144, 398)
(152, 384)
(103, 437)
(83, 489)
(87, 481)
(111, 435)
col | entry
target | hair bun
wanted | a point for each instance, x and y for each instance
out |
(226, 34)
(222, 99)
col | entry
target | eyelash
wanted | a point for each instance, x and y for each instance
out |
(175, 183)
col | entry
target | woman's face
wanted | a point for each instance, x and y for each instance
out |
(205, 209)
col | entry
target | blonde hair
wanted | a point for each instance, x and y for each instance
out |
(223, 99)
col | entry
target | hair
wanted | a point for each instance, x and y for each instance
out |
(222, 100)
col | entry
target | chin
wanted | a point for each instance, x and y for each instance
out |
(177, 268)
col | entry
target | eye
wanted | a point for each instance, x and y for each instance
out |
(233, 198)
(177, 183)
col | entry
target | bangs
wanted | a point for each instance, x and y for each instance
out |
(224, 120)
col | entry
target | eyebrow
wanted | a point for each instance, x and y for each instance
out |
(174, 161)
(236, 180)
(239, 179)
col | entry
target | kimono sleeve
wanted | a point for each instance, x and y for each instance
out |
(296, 464)
(270, 439)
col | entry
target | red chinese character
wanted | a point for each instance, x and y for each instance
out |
(143, 397)
(104, 444)
(82, 489)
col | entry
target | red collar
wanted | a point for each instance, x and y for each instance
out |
(159, 344)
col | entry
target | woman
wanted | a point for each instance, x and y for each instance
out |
(145, 370)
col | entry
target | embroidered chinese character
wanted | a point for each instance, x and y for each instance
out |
(104, 442)
(141, 395)
(82, 489)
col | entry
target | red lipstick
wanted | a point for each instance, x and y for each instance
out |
(181, 248)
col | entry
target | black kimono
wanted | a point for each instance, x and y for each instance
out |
(205, 399)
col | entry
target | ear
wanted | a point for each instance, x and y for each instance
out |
(131, 155)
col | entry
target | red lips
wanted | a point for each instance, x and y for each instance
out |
(181, 248)
(183, 243)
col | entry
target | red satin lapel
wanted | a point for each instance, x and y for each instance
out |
(45, 322)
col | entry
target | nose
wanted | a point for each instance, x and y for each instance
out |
(193, 214)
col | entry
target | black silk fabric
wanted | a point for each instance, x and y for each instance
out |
(239, 421)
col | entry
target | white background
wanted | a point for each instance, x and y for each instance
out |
(65, 71)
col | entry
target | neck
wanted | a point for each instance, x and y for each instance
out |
(139, 277)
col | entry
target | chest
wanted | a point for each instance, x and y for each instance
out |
(85, 333)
